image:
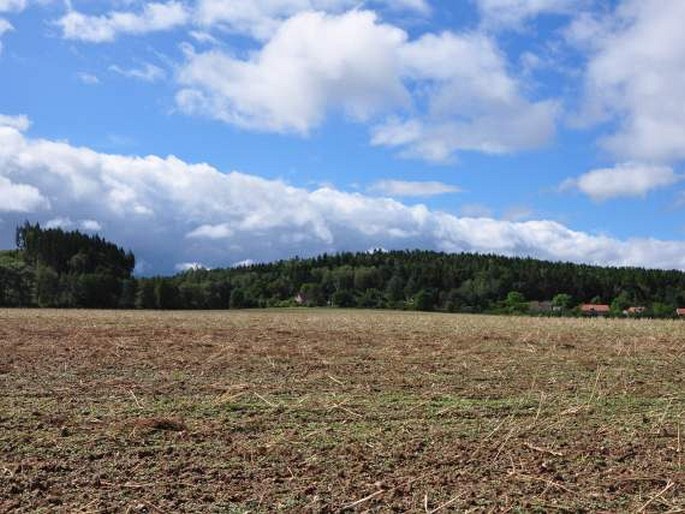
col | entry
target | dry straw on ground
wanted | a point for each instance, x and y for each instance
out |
(322, 411)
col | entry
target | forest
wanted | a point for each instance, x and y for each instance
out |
(56, 268)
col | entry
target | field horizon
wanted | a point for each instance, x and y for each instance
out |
(319, 410)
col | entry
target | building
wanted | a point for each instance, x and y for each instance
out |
(590, 309)
(680, 312)
(635, 311)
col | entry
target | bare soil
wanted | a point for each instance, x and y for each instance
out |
(330, 411)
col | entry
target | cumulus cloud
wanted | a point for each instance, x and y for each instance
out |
(169, 212)
(20, 197)
(634, 79)
(204, 38)
(12, 5)
(315, 63)
(66, 223)
(474, 103)
(587, 30)
(262, 18)
(455, 90)
(106, 28)
(624, 180)
(258, 19)
(221, 231)
(90, 225)
(407, 188)
(147, 73)
(417, 6)
(189, 266)
(19, 122)
(5, 26)
(513, 13)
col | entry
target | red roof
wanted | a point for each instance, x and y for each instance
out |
(681, 312)
(636, 310)
(589, 307)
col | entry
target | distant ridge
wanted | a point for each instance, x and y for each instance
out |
(54, 268)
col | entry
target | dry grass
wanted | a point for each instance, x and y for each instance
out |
(321, 411)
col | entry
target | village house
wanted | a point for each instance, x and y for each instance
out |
(589, 309)
(680, 312)
(634, 311)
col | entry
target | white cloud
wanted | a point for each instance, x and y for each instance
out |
(587, 30)
(20, 197)
(624, 180)
(150, 204)
(61, 222)
(203, 37)
(189, 266)
(88, 78)
(19, 122)
(5, 26)
(513, 13)
(66, 223)
(147, 73)
(12, 5)
(106, 28)
(90, 225)
(521, 127)
(243, 264)
(405, 188)
(417, 6)
(317, 63)
(261, 19)
(634, 78)
(221, 231)
(474, 103)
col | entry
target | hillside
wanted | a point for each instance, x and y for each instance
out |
(54, 268)
(424, 280)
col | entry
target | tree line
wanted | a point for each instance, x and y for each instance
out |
(55, 268)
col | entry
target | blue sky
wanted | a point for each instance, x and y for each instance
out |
(216, 131)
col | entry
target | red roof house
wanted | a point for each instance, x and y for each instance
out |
(590, 309)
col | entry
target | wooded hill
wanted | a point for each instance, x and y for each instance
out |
(54, 268)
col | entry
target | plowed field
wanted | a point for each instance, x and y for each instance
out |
(329, 411)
